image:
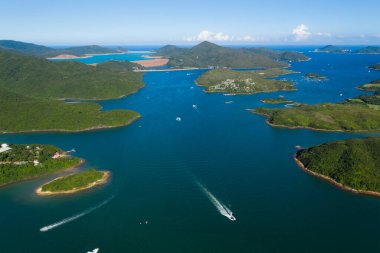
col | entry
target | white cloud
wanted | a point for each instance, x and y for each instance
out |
(218, 36)
(301, 32)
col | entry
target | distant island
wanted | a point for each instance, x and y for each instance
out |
(352, 165)
(358, 114)
(375, 66)
(331, 49)
(315, 76)
(244, 82)
(22, 162)
(275, 100)
(74, 183)
(209, 55)
(338, 50)
(42, 109)
(48, 52)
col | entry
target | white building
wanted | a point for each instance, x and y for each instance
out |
(4, 147)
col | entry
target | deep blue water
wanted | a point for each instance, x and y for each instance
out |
(156, 163)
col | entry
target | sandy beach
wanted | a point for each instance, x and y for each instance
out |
(156, 62)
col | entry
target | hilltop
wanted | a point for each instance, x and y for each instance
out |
(206, 54)
(43, 51)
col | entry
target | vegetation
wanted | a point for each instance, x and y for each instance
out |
(368, 50)
(315, 76)
(18, 164)
(244, 82)
(275, 101)
(74, 182)
(375, 66)
(372, 86)
(207, 55)
(74, 80)
(21, 113)
(359, 114)
(354, 163)
(42, 51)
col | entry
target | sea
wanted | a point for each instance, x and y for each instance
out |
(199, 173)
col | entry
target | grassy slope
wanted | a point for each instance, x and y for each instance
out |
(19, 73)
(74, 181)
(10, 173)
(354, 163)
(217, 76)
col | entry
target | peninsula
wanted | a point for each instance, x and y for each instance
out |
(352, 165)
(244, 82)
(22, 162)
(41, 108)
(358, 114)
(74, 183)
(375, 66)
(276, 101)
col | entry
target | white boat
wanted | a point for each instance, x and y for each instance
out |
(231, 217)
(178, 119)
(94, 251)
(195, 106)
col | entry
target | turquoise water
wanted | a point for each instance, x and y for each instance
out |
(158, 163)
(130, 56)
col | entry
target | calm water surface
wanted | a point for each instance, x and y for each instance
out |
(155, 201)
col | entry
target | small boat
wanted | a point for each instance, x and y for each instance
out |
(195, 106)
(94, 251)
(178, 119)
(231, 217)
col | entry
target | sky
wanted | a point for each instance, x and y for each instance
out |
(157, 22)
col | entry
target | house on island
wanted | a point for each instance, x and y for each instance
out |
(4, 147)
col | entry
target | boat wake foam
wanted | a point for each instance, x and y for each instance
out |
(223, 209)
(77, 216)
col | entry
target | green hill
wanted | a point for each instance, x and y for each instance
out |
(277, 55)
(25, 48)
(354, 163)
(42, 51)
(119, 65)
(42, 78)
(206, 54)
(244, 82)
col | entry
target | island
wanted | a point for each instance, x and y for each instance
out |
(371, 86)
(20, 162)
(352, 165)
(368, 50)
(315, 76)
(375, 66)
(210, 55)
(45, 107)
(357, 114)
(244, 82)
(275, 101)
(331, 49)
(74, 183)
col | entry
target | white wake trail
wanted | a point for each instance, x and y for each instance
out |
(74, 217)
(223, 209)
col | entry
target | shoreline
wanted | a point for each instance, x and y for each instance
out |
(81, 162)
(310, 128)
(333, 182)
(70, 56)
(74, 131)
(103, 180)
(155, 62)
